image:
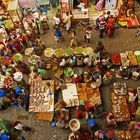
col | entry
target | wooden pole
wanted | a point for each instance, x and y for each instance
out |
(20, 19)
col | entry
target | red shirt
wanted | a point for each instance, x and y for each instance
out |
(76, 80)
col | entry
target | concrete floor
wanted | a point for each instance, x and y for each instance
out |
(124, 39)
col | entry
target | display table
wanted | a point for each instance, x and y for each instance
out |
(116, 59)
(132, 58)
(124, 59)
(120, 88)
(80, 16)
(123, 135)
(41, 95)
(70, 96)
(120, 108)
(132, 22)
(46, 116)
(89, 94)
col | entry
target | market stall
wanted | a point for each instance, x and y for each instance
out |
(120, 88)
(123, 134)
(128, 58)
(5, 2)
(70, 95)
(120, 108)
(15, 12)
(132, 58)
(127, 16)
(43, 2)
(27, 3)
(88, 94)
(137, 54)
(80, 16)
(116, 59)
(41, 96)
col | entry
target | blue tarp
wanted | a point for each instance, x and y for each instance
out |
(18, 90)
(2, 93)
(4, 136)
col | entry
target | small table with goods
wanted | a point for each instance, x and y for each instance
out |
(42, 98)
(80, 16)
(120, 88)
(123, 135)
(88, 94)
(120, 108)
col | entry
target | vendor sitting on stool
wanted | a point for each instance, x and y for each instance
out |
(76, 79)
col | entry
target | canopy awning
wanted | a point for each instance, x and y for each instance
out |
(13, 5)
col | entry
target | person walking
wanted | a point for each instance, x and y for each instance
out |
(100, 49)
(110, 27)
(102, 27)
(57, 34)
(88, 34)
(74, 40)
(67, 21)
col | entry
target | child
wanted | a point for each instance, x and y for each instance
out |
(74, 41)
(57, 34)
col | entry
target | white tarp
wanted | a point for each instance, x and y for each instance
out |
(70, 95)
(43, 2)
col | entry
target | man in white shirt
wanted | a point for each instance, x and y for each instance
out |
(56, 20)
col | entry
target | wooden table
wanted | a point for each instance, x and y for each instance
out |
(123, 135)
(89, 94)
(70, 96)
(80, 16)
(41, 96)
(43, 106)
(120, 108)
(120, 88)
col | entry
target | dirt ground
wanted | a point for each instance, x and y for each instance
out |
(124, 39)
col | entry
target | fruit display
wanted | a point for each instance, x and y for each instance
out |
(33, 59)
(59, 52)
(88, 51)
(48, 52)
(132, 58)
(137, 53)
(78, 50)
(17, 57)
(28, 51)
(69, 51)
(68, 72)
